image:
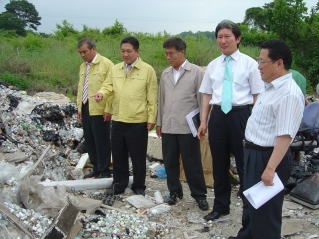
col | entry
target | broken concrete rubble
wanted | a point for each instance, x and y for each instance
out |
(43, 146)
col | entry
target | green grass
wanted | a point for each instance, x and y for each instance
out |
(49, 64)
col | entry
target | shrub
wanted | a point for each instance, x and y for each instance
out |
(20, 81)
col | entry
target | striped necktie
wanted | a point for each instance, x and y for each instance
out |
(227, 87)
(128, 69)
(86, 84)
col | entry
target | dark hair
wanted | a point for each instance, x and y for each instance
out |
(229, 25)
(131, 40)
(88, 41)
(176, 42)
(278, 49)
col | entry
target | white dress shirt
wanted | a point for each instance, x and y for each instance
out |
(246, 79)
(278, 111)
(177, 73)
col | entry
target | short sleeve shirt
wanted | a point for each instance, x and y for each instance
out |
(246, 79)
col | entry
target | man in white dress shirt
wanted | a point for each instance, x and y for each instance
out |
(226, 129)
(270, 129)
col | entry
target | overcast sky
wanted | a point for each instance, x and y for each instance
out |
(173, 16)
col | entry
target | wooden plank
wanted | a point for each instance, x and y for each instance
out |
(64, 223)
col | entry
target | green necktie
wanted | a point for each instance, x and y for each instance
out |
(227, 87)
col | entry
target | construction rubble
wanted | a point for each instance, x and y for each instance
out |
(43, 194)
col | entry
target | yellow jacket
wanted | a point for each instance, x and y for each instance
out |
(98, 73)
(135, 95)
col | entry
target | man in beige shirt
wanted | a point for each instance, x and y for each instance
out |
(178, 95)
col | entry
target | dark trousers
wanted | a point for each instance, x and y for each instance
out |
(264, 222)
(129, 139)
(188, 146)
(97, 140)
(226, 132)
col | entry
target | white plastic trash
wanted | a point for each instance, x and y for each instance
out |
(158, 197)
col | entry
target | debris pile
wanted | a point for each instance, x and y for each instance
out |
(121, 224)
(35, 222)
(43, 194)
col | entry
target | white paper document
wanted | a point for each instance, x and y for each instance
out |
(193, 121)
(259, 194)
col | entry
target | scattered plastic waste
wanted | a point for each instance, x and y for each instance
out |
(158, 197)
(155, 211)
(161, 173)
(140, 201)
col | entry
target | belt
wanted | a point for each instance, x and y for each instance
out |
(251, 145)
(234, 108)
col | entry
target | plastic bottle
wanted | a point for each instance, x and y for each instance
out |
(25, 126)
(158, 197)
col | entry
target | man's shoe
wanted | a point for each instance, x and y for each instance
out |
(93, 174)
(139, 192)
(232, 237)
(107, 175)
(215, 215)
(202, 204)
(172, 199)
(109, 192)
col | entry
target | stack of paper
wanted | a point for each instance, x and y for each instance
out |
(259, 194)
(193, 121)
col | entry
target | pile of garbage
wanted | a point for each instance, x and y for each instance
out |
(42, 144)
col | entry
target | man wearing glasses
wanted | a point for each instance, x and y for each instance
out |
(230, 86)
(178, 96)
(272, 126)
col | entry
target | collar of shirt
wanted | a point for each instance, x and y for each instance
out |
(278, 82)
(176, 73)
(234, 56)
(132, 63)
(92, 60)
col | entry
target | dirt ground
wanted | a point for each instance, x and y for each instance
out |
(298, 221)
(185, 220)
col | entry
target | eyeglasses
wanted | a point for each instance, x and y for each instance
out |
(170, 54)
(261, 63)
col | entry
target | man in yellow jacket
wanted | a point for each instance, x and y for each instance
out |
(95, 116)
(133, 85)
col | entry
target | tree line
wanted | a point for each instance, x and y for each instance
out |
(289, 20)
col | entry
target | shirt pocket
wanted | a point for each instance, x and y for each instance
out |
(241, 77)
(138, 86)
(98, 79)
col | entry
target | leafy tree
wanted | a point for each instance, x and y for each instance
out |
(65, 30)
(253, 36)
(293, 24)
(289, 20)
(9, 22)
(115, 30)
(24, 11)
(93, 33)
(257, 17)
(208, 34)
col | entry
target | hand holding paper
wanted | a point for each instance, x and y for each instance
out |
(259, 194)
